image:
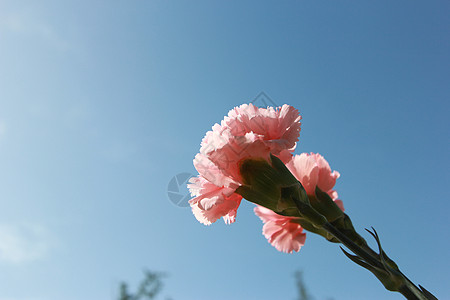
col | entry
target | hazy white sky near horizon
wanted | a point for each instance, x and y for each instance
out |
(103, 102)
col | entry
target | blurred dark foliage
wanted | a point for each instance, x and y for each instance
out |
(303, 293)
(152, 284)
(149, 288)
(301, 287)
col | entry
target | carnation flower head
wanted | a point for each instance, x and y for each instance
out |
(312, 170)
(246, 132)
(282, 232)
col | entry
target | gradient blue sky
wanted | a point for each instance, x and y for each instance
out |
(103, 102)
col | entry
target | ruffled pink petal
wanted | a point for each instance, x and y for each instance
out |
(231, 216)
(267, 215)
(340, 204)
(285, 156)
(280, 128)
(313, 170)
(327, 179)
(208, 170)
(306, 170)
(225, 207)
(211, 202)
(286, 237)
(281, 232)
(289, 119)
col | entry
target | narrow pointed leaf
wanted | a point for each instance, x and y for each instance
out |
(427, 294)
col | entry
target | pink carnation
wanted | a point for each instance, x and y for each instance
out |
(282, 232)
(247, 132)
(212, 202)
(312, 170)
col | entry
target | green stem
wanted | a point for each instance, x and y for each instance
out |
(352, 246)
(407, 289)
(397, 279)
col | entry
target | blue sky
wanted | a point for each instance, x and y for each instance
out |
(103, 102)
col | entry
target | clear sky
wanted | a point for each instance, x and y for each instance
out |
(103, 102)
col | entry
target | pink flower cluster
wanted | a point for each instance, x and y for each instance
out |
(252, 132)
(247, 132)
(312, 170)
